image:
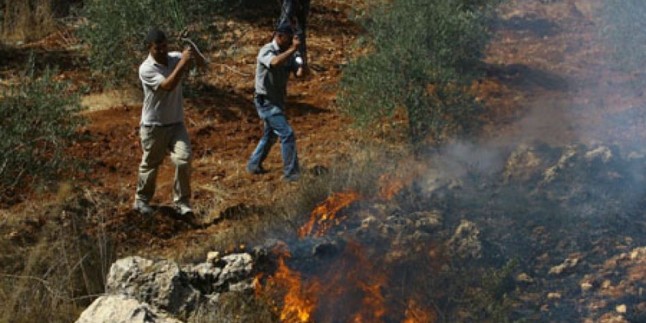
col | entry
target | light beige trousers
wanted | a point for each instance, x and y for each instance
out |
(156, 142)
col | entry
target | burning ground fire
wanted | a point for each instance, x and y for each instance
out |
(300, 301)
(324, 215)
(352, 287)
(392, 183)
(422, 250)
(352, 293)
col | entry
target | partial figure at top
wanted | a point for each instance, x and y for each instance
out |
(295, 12)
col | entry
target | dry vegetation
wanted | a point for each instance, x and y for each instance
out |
(56, 245)
(52, 267)
(27, 20)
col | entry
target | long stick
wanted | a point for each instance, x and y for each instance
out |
(196, 48)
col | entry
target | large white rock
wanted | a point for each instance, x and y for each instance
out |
(122, 309)
(159, 283)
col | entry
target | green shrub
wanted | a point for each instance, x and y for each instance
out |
(423, 57)
(115, 29)
(38, 119)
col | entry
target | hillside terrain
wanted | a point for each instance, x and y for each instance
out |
(548, 88)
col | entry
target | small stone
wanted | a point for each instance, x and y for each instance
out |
(369, 222)
(586, 286)
(554, 295)
(13, 235)
(524, 278)
(212, 256)
(420, 236)
(566, 265)
(606, 284)
(428, 221)
(597, 305)
(243, 286)
(465, 242)
(638, 253)
(621, 309)
(612, 318)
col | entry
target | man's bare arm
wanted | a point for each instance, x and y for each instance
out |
(281, 58)
(176, 75)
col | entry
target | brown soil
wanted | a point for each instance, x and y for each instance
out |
(224, 129)
(546, 80)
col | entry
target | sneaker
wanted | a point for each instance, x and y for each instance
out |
(143, 208)
(257, 170)
(184, 209)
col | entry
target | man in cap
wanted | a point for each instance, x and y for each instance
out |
(275, 61)
(162, 126)
(296, 12)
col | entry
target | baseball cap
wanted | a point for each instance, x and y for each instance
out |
(285, 27)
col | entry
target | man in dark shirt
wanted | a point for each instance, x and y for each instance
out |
(296, 12)
(276, 60)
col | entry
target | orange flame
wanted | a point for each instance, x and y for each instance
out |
(391, 183)
(371, 280)
(416, 314)
(374, 307)
(389, 186)
(256, 283)
(355, 288)
(300, 301)
(324, 214)
(354, 282)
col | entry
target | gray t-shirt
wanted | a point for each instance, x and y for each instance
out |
(272, 81)
(160, 107)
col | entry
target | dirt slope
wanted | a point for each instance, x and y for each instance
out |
(550, 77)
(224, 129)
(546, 80)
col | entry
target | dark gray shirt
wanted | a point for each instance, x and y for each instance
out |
(272, 81)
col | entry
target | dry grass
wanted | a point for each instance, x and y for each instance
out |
(27, 20)
(110, 99)
(237, 308)
(251, 226)
(50, 267)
